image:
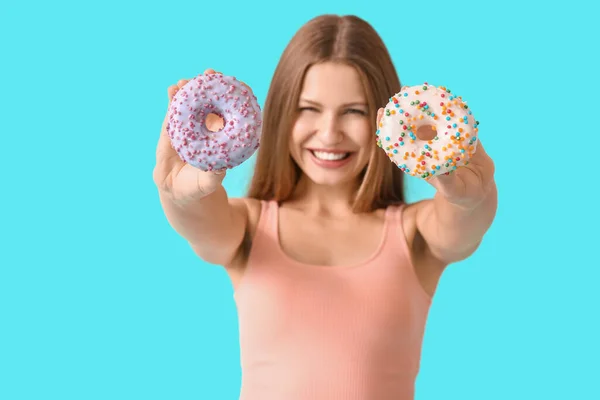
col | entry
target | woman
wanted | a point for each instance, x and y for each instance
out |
(333, 273)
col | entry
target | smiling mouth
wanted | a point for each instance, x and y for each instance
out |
(329, 156)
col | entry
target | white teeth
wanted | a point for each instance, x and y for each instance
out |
(321, 155)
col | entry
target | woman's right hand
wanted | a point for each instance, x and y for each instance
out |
(176, 179)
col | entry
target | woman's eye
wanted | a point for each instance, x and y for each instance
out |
(348, 111)
(355, 111)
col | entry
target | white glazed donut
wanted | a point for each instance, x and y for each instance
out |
(449, 116)
(226, 97)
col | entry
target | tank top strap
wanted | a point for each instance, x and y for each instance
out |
(266, 230)
(394, 230)
(265, 236)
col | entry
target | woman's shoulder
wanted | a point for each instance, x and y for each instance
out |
(402, 215)
(254, 206)
(252, 209)
(246, 202)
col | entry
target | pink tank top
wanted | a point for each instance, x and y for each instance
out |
(311, 332)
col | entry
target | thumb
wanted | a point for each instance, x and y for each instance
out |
(443, 181)
(210, 179)
(218, 176)
(208, 182)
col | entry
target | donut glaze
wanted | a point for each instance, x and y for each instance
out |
(426, 105)
(226, 97)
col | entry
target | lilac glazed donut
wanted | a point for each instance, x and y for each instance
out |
(226, 97)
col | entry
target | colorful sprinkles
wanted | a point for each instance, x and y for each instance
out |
(224, 96)
(447, 114)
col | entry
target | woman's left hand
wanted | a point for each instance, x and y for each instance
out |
(468, 185)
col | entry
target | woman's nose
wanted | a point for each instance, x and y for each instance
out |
(330, 132)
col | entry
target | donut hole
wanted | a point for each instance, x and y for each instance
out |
(426, 132)
(214, 122)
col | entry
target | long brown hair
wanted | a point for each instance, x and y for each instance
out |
(327, 38)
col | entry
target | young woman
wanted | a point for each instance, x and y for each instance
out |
(333, 273)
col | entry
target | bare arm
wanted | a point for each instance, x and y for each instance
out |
(196, 204)
(454, 222)
(214, 225)
(451, 232)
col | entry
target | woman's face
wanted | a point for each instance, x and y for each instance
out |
(333, 134)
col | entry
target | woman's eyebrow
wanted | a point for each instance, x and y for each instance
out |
(350, 104)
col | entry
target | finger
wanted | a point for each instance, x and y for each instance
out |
(171, 91)
(247, 87)
(214, 122)
(441, 180)
(484, 162)
(480, 156)
(165, 153)
(379, 115)
(166, 156)
(164, 138)
(212, 71)
(480, 149)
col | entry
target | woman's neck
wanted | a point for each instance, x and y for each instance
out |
(323, 200)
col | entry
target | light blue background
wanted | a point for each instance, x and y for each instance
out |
(99, 297)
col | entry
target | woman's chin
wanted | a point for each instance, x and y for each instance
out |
(330, 178)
